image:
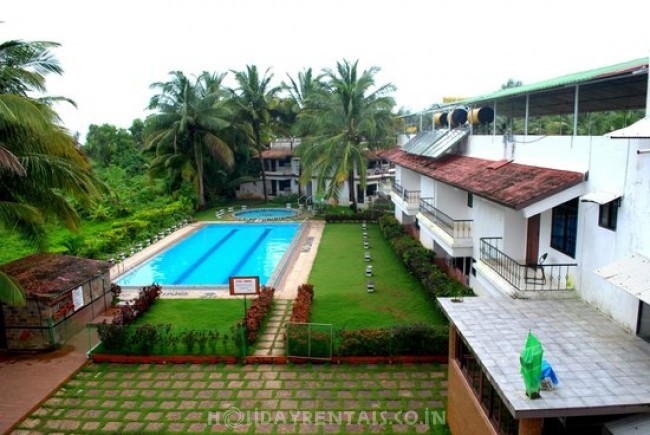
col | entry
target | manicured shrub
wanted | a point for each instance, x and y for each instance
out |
(302, 304)
(140, 305)
(364, 342)
(255, 314)
(113, 336)
(390, 227)
(145, 337)
(367, 215)
(418, 339)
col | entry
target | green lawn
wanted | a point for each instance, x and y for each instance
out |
(339, 280)
(208, 316)
(218, 314)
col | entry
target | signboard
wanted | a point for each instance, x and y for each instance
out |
(78, 298)
(244, 285)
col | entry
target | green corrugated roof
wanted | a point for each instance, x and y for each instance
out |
(569, 79)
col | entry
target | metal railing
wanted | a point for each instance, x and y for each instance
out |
(527, 277)
(456, 228)
(411, 197)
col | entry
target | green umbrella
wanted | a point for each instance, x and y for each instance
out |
(531, 365)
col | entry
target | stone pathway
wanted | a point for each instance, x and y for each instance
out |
(307, 398)
(272, 343)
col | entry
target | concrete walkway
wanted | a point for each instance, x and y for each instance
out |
(28, 379)
(299, 272)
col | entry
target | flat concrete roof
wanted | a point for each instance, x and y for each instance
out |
(602, 369)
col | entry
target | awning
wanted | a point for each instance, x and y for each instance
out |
(638, 130)
(600, 197)
(435, 143)
(631, 274)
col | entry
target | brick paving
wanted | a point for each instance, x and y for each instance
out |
(246, 399)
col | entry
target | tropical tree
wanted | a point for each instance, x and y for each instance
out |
(41, 166)
(349, 118)
(304, 92)
(255, 100)
(192, 115)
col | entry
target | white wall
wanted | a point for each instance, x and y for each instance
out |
(557, 152)
(514, 238)
(452, 201)
(488, 222)
(427, 187)
(409, 180)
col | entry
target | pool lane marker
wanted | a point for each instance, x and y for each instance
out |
(253, 247)
(203, 257)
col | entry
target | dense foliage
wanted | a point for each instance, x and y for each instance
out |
(41, 168)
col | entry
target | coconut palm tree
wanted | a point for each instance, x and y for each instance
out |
(41, 167)
(255, 100)
(349, 118)
(188, 127)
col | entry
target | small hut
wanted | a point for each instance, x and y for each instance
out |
(63, 294)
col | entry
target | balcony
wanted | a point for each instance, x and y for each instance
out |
(456, 228)
(279, 170)
(527, 277)
(407, 200)
(411, 197)
(453, 235)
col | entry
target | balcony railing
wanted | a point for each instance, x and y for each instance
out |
(526, 277)
(456, 228)
(411, 197)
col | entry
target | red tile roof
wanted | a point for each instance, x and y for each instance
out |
(47, 275)
(510, 184)
(277, 153)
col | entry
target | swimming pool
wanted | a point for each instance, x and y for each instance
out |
(266, 213)
(209, 256)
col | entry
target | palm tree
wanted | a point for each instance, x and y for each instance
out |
(351, 117)
(190, 121)
(256, 99)
(41, 166)
(304, 92)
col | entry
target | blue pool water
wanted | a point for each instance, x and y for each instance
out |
(213, 253)
(266, 213)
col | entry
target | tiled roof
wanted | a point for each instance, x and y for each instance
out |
(602, 368)
(510, 184)
(277, 153)
(48, 275)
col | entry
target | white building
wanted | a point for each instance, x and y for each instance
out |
(283, 176)
(530, 216)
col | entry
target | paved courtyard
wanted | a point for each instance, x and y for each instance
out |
(246, 399)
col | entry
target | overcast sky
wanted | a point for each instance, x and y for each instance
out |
(113, 50)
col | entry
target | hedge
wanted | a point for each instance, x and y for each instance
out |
(417, 339)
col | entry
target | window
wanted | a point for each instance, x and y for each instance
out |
(470, 200)
(490, 401)
(608, 214)
(564, 228)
